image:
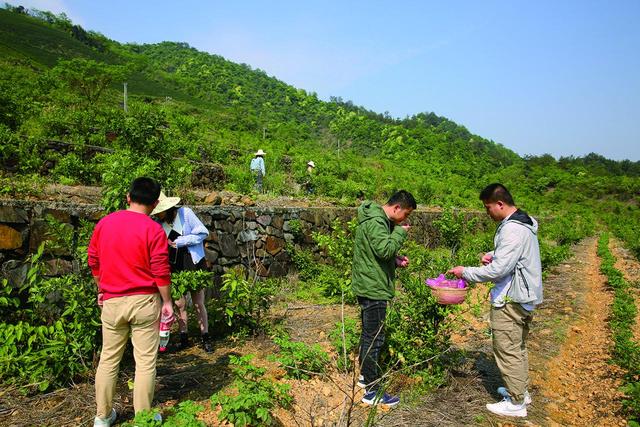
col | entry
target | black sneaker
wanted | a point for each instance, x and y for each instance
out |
(206, 344)
(184, 341)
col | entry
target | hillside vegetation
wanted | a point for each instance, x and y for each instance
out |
(62, 83)
(194, 120)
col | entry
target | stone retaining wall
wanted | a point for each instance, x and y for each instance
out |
(255, 237)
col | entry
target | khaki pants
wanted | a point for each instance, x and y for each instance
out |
(138, 315)
(510, 328)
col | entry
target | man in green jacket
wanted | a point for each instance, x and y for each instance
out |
(375, 257)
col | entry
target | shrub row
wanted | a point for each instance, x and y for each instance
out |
(626, 352)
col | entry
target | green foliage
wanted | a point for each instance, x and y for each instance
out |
(295, 227)
(119, 170)
(417, 328)
(450, 225)
(189, 281)
(338, 246)
(301, 360)
(303, 260)
(345, 338)
(626, 352)
(187, 105)
(242, 304)
(256, 397)
(88, 78)
(50, 339)
(184, 414)
(144, 418)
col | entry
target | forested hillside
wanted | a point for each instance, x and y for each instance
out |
(62, 120)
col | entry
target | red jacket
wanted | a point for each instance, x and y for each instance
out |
(128, 254)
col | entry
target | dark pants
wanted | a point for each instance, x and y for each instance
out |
(372, 315)
(258, 175)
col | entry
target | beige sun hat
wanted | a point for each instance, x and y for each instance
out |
(165, 203)
(313, 165)
(260, 152)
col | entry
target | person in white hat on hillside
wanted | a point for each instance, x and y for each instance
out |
(308, 184)
(185, 233)
(257, 168)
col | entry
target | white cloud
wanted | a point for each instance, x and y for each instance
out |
(53, 6)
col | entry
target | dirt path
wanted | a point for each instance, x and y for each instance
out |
(579, 386)
(572, 382)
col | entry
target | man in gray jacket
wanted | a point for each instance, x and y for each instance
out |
(515, 269)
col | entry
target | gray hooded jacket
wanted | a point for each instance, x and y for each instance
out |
(515, 268)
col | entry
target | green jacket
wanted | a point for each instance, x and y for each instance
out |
(377, 243)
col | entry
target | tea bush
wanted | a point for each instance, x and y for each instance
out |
(188, 281)
(242, 304)
(256, 397)
(418, 329)
(345, 338)
(51, 336)
(626, 352)
(301, 360)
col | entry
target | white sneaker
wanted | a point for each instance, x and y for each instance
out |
(507, 408)
(105, 422)
(502, 391)
(361, 383)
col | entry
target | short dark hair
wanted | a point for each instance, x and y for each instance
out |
(404, 199)
(496, 193)
(144, 191)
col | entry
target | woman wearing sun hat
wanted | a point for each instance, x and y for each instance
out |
(185, 234)
(257, 168)
(308, 183)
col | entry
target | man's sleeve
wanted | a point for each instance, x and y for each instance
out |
(385, 245)
(159, 257)
(93, 255)
(505, 257)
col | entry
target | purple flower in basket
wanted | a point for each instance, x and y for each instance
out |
(443, 282)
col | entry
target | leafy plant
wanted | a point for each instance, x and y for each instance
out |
(256, 397)
(242, 304)
(345, 338)
(188, 281)
(301, 360)
(51, 338)
(450, 225)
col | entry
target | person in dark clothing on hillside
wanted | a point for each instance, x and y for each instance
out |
(379, 237)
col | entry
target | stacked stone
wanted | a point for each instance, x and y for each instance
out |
(252, 237)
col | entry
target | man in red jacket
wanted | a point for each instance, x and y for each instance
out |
(129, 260)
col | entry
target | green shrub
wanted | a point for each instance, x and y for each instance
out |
(626, 352)
(450, 225)
(189, 281)
(255, 399)
(345, 338)
(418, 329)
(242, 304)
(50, 339)
(301, 360)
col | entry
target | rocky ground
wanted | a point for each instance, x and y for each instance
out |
(573, 382)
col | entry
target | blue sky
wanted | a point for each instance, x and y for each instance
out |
(557, 77)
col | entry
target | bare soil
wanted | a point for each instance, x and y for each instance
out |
(572, 381)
